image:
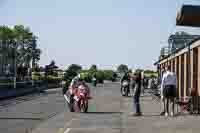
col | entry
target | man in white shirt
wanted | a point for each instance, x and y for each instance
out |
(75, 80)
(168, 91)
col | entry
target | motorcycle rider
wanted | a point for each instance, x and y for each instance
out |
(74, 83)
(73, 87)
(126, 77)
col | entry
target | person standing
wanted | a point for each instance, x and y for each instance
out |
(142, 82)
(168, 90)
(136, 95)
(161, 95)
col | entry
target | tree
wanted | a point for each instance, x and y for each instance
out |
(100, 76)
(122, 68)
(6, 37)
(26, 45)
(72, 71)
(138, 70)
(69, 75)
(32, 52)
(6, 33)
(23, 41)
(149, 71)
(75, 68)
(114, 76)
(130, 71)
(93, 68)
(108, 75)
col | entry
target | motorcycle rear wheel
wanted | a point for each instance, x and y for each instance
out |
(84, 107)
(124, 91)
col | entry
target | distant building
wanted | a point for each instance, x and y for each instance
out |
(178, 41)
(60, 72)
(164, 52)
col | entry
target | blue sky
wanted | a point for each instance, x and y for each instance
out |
(103, 32)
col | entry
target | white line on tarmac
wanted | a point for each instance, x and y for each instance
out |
(68, 124)
(55, 89)
(68, 130)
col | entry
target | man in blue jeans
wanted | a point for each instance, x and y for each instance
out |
(136, 96)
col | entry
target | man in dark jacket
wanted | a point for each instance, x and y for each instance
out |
(136, 95)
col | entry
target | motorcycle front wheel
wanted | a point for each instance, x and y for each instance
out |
(76, 106)
(84, 106)
(126, 91)
(123, 91)
(71, 108)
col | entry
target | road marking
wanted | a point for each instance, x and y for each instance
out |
(69, 123)
(68, 130)
(61, 130)
(55, 89)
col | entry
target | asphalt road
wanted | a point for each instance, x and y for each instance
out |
(108, 113)
(27, 113)
(104, 114)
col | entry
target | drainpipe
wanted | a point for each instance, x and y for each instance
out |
(189, 66)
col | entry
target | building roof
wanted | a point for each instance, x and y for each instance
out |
(189, 15)
(190, 43)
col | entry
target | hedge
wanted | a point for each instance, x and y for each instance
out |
(101, 75)
(37, 76)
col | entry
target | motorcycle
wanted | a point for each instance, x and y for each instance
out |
(125, 88)
(81, 99)
(78, 102)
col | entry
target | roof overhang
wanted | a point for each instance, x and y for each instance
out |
(189, 15)
(192, 44)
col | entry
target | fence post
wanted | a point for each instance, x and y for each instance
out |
(15, 82)
(32, 83)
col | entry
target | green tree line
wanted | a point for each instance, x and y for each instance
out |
(87, 75)
(24, 43)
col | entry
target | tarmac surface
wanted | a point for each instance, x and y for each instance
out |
(22, 114)
(109, 112)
